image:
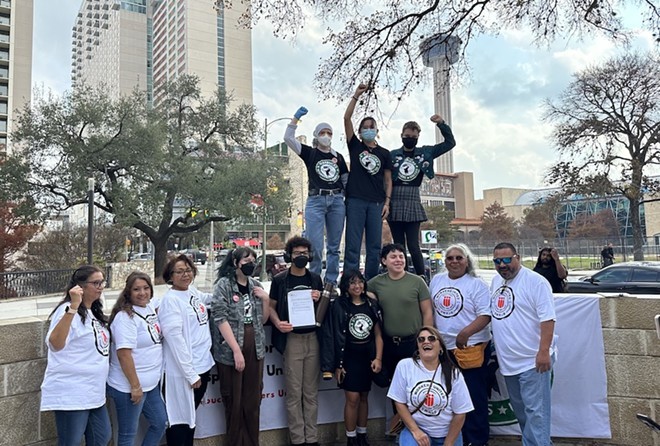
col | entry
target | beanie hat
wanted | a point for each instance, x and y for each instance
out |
(321, 126)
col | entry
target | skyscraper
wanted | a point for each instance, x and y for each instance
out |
(15, 64)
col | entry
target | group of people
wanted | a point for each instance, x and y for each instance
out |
(431, 344)
(381, 184)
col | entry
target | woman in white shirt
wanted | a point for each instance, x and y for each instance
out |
(78, 342)
(186, 349)
(430, 394)
(136, 363)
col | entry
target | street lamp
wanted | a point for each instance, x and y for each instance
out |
(90, 219)
(263, 274)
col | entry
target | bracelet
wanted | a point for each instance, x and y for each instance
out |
(356, 99)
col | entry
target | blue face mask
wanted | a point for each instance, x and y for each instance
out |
(368, 135)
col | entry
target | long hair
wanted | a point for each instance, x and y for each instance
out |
(345, 282)
(124, 300)
(471, 261)
(228, 266)
(538, 259)
(449, 369)
(79, 277)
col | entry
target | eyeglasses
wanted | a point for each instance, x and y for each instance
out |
(356, 282)
(181, 272)
(430, 338)
(500, 260)
(300, 253)
(452, 258)
(98, 283)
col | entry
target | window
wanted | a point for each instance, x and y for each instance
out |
(3, 107)
(645, 275)
(4, 90)
(4, 36)
(4, 55)
(4, 72)
(4, 19)
(3, 125)
(613, 275)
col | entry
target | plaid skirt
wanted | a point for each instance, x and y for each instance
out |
(406, 205)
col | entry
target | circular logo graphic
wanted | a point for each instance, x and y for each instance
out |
(502, 302)
(448, 302)
(435, 399)
(327, 171)
(408, 170)
(153, 327)
(370, 162)
(360, 326)
(101, 338)
(199, 309)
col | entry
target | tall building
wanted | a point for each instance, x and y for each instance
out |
(193, 37)
(110, 46)
(15, 64)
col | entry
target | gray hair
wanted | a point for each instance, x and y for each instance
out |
(471, 260)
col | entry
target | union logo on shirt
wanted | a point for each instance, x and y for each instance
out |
(448, 302)
(101, 338)
(435, 399)
(408, 170)
(502, 302)
(360, 326)
(200, 310)
(153, 327)
(370, 162)
(327, 171)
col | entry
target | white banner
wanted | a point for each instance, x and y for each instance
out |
(579, 389)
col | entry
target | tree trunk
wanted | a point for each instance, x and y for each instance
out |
(160, 257)
(635, 198)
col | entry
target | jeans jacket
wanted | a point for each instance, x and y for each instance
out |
(227, 305)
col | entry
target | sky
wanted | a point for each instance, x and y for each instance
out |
(496, 109)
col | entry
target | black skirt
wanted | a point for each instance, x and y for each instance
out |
(357, 363)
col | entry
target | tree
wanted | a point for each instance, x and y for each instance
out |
(541, 217)
(607, 133)
(439, 219)
(379, 42)
(164, 171)
(600, 225)
(496, 225)
(15, 231)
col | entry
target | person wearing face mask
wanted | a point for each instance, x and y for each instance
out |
(327, 174)
(239, 307)
(298, 345)
(368, 191)
(409, 166)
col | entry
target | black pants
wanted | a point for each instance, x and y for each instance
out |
(182, 434)
(407, 234)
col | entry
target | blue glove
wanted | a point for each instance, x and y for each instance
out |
(302, 111)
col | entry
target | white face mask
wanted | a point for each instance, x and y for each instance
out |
(324, 140)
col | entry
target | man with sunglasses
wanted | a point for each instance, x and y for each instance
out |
(523, 322)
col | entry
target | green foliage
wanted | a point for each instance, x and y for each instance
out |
(496, 225)
(150, 165)
(439, 219)
(541, 217)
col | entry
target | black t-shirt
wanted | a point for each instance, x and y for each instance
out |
(324, 170)
(552, 277)
(368, 165)
(361, 323)
(410, 173)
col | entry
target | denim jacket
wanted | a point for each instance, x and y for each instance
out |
(425, 155)
(227, 305)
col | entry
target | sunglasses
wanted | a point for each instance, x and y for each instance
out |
(430, 338)
(457, 258)
(500, 260)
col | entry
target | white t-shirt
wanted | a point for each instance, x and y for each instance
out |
(142, 334)
(456, 304)
(75, 376)
(410, 385)
(186, 334)
(518, 307)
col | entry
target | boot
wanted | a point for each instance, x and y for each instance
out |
(362, 440)
(352, 441)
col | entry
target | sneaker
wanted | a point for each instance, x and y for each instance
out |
(352, 441)
(362, 440)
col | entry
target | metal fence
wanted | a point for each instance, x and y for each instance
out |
(39, 283)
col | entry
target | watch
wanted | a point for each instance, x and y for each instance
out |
(71, 310)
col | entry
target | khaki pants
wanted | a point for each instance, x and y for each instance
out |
(302, 367)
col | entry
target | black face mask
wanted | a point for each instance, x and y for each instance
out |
(408, 142)
(248, 268)
(301, 261)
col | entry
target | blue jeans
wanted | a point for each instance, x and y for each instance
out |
(406, 439)
(128, 416)
(363, 216)
(325, 212)
(93, 424)
(529, 393)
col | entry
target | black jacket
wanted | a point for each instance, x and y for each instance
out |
(278, 291)
(333, 332)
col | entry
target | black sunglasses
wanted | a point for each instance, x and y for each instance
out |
(422, 339)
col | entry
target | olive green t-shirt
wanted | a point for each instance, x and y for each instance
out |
(400, 300)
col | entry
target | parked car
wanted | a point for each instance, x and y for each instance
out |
(140, 256)
(220, 255)
(275, 264)
(629, 277)
(196, 255)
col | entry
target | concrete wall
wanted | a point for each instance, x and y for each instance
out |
(632, 356)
